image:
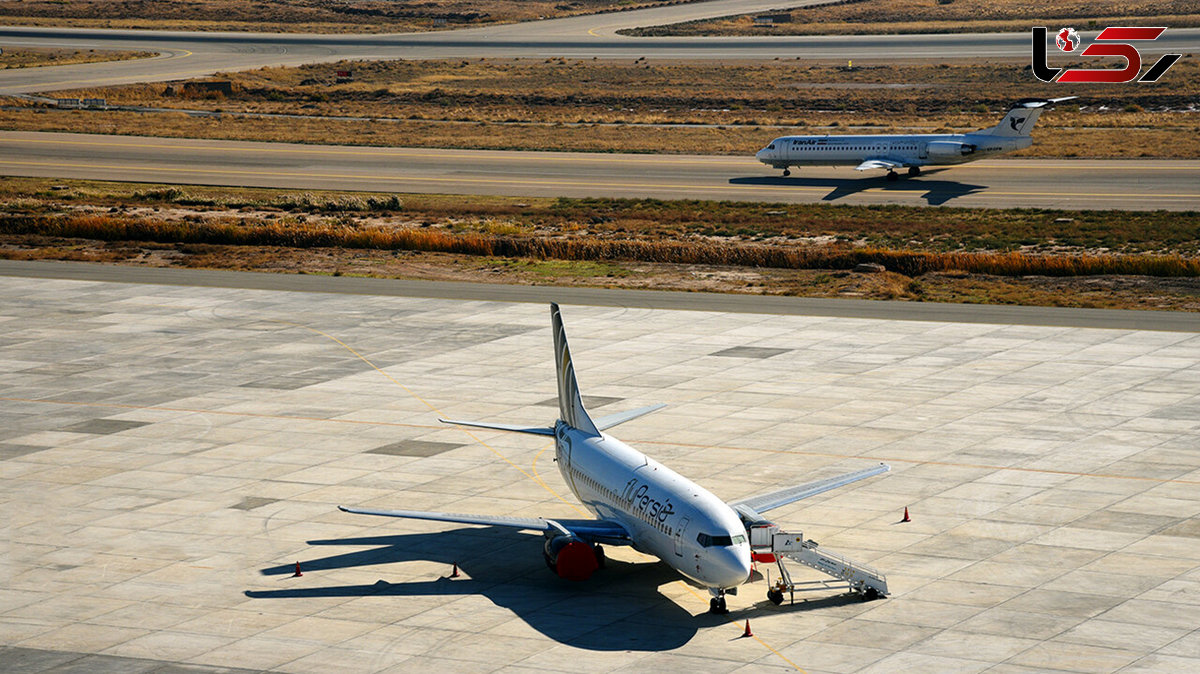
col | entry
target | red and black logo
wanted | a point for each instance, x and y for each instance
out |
(1112, 41)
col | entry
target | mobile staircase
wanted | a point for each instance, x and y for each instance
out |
(769, 544)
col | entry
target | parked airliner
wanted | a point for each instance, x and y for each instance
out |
(636, 500)
(910, 151)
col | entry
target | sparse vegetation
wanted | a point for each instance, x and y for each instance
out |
(624, 107)
(941, 16)
(29, 57)
(1089, 258)
(308, 16)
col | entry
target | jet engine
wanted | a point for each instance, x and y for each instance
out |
(948, 149)
(572, 558)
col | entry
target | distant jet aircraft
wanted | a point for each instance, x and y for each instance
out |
(637, 501)
(910, 151)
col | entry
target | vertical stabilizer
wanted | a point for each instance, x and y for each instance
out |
(570, 404)
(1020, 119)
(1018, 122)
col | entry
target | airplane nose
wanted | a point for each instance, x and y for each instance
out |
(732, 566)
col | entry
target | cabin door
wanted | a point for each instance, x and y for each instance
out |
(679, 537)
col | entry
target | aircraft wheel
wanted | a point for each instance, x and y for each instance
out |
(776, 596)
(787, 172)
(600, 558)
(914, 171)
(892, 176)
(716, 605)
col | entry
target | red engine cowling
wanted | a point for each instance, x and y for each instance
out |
(571, 558)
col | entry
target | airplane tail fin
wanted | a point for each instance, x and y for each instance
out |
(1020, 119)
(570, 404)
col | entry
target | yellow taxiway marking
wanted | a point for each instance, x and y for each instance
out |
(227, 146)
(531, 181)
(462, 180)
(184, 54)
(734, 622)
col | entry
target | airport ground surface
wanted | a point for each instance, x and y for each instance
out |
(169, 453)
(1071, 184)
(191, 54)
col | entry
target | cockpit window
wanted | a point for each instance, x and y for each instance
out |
(771, 146)
(708, 540)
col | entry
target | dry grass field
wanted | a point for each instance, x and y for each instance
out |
(1101, 259)
(944, 16)
(26, 57)
(308, 16)
(623, 106)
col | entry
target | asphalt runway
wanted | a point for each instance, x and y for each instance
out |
(195, 54)
(1000, 183)
(169, 453)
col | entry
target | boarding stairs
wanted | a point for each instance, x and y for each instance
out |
(768, 543)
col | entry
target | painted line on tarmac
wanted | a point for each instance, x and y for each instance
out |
(227, 146)
(461, 180)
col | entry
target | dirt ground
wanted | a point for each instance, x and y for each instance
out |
(1114, 292)
(632, 106)
(939, 16)
(306, 16)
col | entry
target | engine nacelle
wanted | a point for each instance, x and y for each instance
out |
(948, 149)
(571, 558)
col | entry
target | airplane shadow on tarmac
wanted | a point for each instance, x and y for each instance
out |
(935, 192)
(619, 608)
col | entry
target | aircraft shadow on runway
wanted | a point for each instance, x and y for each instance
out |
(935, 192)
(619, 608)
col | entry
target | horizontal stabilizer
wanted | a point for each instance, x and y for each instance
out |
(878, 164)
(535, 430)
(611, 420)
(782, 497)
(1042, 102)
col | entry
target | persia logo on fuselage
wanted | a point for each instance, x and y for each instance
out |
(639, 501)
(1112, 41)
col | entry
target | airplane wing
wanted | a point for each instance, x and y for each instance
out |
(879, 164)
(781, 497)
(602, 531)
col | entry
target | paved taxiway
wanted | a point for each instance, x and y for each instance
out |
(195, 54)
(1086, 184)
(167, 453)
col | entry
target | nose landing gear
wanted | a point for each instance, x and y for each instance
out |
(716, 605)
(787, 172)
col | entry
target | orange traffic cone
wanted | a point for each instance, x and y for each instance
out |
(297, 574)
(454, 572)
(747, 633)
(906, 517)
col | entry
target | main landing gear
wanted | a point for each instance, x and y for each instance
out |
(913, 172)
(787, 172)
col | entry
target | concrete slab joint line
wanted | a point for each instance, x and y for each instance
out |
(1050, 473)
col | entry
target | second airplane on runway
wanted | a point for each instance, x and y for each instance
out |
(911, 151)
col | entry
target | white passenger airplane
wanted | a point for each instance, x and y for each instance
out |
(637, 501)
(913, 150)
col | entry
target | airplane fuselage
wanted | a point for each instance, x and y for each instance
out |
(906, 150)
(666, 514)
